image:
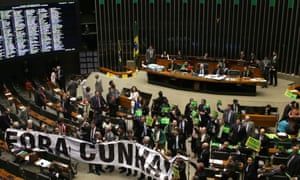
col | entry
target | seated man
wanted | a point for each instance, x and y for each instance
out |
(218, 70)
(201, 71)
(172, 66)
(247, 73)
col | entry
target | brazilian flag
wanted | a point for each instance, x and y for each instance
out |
(135, 42)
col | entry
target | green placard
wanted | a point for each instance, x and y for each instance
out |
(236, 2)
(165, 120)
(194, 113)
(138, 113)
(219, 102)
(165, 109)
(215, 114)
(168, 1)
(253, 144)
(226, 129)
(219, 1)
(288, 93)
(202, 1)
(118, 1)
(253, 2)
(185, 1)
(135, 1)
(149, 121)
(194, 103)
(207, 105)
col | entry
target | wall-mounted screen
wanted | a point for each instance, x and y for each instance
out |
(38, 28)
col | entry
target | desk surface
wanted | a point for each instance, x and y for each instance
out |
(209, 78)
(208, 84)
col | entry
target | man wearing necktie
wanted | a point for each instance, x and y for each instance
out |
(251, 169)
(293, 164)
(97, 104)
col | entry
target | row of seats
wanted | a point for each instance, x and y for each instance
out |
(16, 170)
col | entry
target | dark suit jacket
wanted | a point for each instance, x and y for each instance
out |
(238, 135)
(228, 121)
(221, 71)
(250, 172)
(94, 103)
(204, 157)
(265, 144)
(181, 143)
(247, 73)
(205, 71)
(293, 168)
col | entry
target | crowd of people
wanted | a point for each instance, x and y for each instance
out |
(166, 128)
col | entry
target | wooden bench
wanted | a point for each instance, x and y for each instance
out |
(262, 120)
(5, 175)
(125, 103)
(258, 116)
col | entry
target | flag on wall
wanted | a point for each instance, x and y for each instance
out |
(119, 51)
(135, 42)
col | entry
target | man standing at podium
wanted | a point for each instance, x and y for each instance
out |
(150, 55)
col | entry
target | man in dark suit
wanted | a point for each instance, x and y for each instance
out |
(204, 155)
(229, 116)
(202, 70)
(250, 169)
(98, 104)
(61, 78)
(90, 136)
(150, 55)
(177, 142)
(6, 121)
(273, 69)
(236, 107)
(204, 112)
(293, 164)
(66, 107)
(238, 133)
(218, 70)
(246, 73)
(172, 66)
(265, 142)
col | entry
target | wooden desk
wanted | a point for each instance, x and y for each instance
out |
(5, 175)
(186, 81)
(211, 61)
(262, 120)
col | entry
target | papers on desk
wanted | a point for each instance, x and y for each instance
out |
(215, 77)
(258, 80)
(10, 98)
(49, 103)
(294, 90)
(230, 79)
(43, 163)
